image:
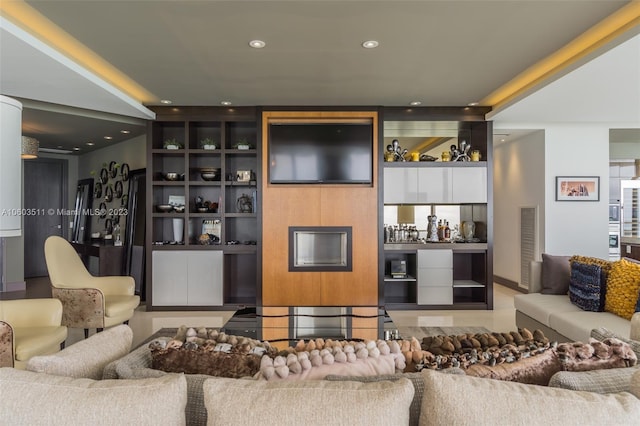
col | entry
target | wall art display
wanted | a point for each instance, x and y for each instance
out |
(577, 188)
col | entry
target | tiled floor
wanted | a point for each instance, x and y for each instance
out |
(501, 318)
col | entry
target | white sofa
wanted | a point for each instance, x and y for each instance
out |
(560, 319)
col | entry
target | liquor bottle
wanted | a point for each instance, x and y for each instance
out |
(447, 231)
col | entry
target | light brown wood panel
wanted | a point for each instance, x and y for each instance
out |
(277, 327)
(282, 208)
(319, 205)
(358, 208)
(365, 328)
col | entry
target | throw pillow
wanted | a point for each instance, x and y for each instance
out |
(465, 400)
(86, 358)
(30, 398)
(288, 403)
(556, 274)
(622, 289)
(587, 287)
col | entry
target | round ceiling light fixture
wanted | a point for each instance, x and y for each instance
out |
(225, 103)
(90, 144)
(415, 103)
(257, 44)
(370, 44)
(125, 132)
(108, 138)
(473, 103)
(165, 101)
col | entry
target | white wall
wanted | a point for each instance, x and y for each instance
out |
(576, 227)
(525, 175)
(518, 181)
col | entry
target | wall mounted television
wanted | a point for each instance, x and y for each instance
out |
(320, 153)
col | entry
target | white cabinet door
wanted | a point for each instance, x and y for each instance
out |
(205, 278)
(400, 185)
(170, 284)
(435, 277)
(182, 278)
(434, 185)
(469, 185)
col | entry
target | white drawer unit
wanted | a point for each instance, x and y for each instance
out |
(435, 277)
(435, 295)
(187, 278)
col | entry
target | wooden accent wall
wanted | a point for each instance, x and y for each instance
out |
(319, 205)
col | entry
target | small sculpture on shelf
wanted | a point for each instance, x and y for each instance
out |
(395, 152)
(460, 152)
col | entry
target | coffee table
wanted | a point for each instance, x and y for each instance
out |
(282, 326)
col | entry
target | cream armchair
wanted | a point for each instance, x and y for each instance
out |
(29, 327)
(88, 301)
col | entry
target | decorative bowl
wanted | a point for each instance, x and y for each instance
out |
(208, 174)
(164, 208)
(172, 176)
(178, 209)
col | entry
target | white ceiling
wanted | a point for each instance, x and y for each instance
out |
(443, 53)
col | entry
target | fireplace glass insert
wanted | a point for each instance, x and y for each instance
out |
(319, 248)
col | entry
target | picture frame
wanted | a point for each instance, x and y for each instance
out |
(577, 188)
(243, 176)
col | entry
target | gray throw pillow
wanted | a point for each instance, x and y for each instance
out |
(556, 274)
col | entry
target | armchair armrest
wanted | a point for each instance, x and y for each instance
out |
(113, 285)
(83, 307)
(7, 352)
(635, 327)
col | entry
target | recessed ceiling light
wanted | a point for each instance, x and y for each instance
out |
(108, 138)
(165, 101)
(76, 148)
(473, 103)
(415, 103)
(225, 103)
(257, 44)
(125, 132)
(370, 44)
(90, 143)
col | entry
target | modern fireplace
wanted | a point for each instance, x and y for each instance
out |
(319, 248)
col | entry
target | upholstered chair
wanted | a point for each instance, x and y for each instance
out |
(29, 327)
(88, 301)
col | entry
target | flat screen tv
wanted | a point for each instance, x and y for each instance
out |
(323, 153)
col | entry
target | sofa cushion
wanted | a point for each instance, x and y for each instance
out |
(635, 384)
(137, 365)
(307, 401)
(588, 286)
(601, 381)
(30, 398)
(623, 285)
(86, 358)
(578, 325)
(540, 306)
(458, 400)
(556, 274)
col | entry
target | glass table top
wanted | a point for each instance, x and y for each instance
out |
(282, 326)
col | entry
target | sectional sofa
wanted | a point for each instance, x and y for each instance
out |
(556, 315)
(55, 392)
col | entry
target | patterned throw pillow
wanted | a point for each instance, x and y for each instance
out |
(623, 286)
(587, 287)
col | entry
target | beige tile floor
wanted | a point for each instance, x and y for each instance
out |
(501, 318)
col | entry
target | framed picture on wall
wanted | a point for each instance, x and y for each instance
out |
(577, 188)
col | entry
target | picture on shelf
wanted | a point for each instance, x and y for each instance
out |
(577, 188)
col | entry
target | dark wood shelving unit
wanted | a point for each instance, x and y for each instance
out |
(227, 127)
